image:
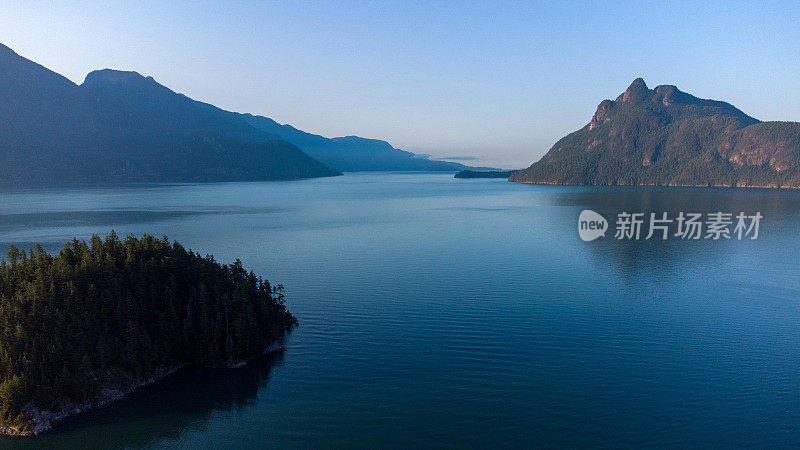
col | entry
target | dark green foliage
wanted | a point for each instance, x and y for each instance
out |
(112, 313)
(667, 137)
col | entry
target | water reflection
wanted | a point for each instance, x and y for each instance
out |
(437, 312)
(161, 412)
(635, 259)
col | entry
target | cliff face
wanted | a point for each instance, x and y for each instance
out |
(664, 136)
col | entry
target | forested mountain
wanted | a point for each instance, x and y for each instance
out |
(87, 326)
(667, 137)
(123, 126)
(351, 153)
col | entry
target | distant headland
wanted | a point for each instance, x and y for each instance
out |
(467, 173)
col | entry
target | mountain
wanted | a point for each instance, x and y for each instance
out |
(667, 137)
(484, 174)
(351, 153)
(123, 126)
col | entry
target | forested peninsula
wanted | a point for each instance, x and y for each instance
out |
(84, 328)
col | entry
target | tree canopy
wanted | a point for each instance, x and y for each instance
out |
(111, 313)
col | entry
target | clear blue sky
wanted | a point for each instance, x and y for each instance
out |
(500, 81)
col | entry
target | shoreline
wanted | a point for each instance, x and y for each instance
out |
(548, 183)
(43, 421)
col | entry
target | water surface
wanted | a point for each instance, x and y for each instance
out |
(447, 313)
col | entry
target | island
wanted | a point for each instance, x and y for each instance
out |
(484, 174)
(84, 328)
(664, 136)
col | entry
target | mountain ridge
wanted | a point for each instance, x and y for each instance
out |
(665, 136)
(122, 126)
(345, 153)
(351, 153)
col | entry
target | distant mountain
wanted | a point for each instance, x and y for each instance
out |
(123, 126)
(351, 153)
(668, 137)
(484, 174)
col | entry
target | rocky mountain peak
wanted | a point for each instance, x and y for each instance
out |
(116, 78)
(636, 92)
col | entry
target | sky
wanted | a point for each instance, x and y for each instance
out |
(490, 83)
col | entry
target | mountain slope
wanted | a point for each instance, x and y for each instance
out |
(667, 137)
(157, 106)
(123, 126)
(351, 153)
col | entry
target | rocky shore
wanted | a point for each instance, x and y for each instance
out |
(43, 420)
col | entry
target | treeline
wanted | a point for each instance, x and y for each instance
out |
(110, 313)
(707, 169)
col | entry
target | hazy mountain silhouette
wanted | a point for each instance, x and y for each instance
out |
(120, 125)
(667, 137)
(351, 153)
(123, 126)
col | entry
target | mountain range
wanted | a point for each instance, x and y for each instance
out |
(120, 125)
(351, 153)
(664, 136)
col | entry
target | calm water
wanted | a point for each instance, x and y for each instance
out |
(442, 312)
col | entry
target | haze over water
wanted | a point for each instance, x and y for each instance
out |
(444, 312)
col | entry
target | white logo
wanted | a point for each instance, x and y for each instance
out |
(691, 226)
(591, 225)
